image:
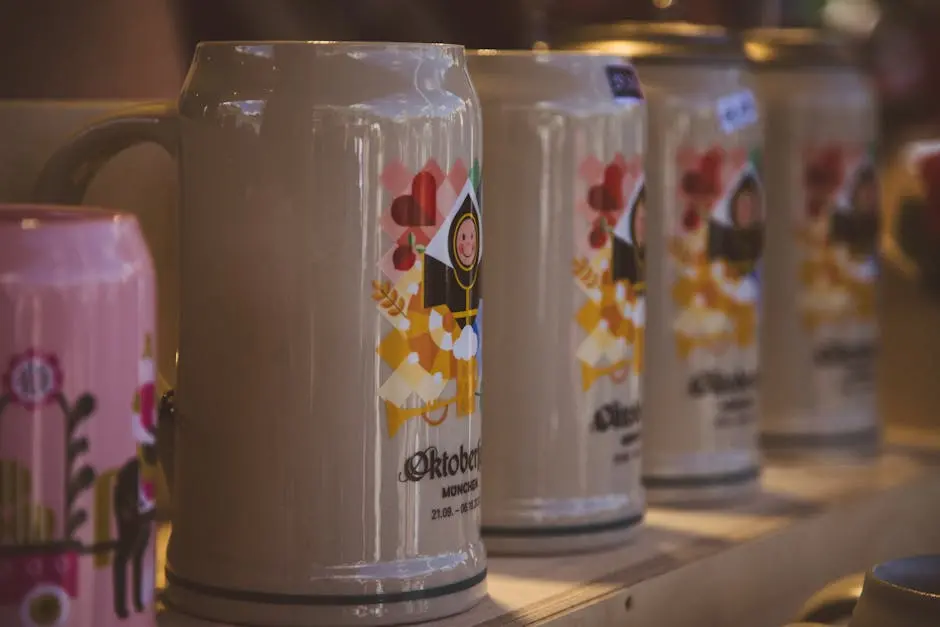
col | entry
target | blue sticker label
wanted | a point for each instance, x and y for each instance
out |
(624, 82)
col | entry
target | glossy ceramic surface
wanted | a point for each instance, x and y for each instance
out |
(77, 419)
(329, 374)
(565, 311)
(820, 266)
(706, 197)
(901, 593)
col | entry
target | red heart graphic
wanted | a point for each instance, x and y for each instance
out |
(424, 191)
(692, 183)
(613, 183)
(600, 199)
(710, 170)
(405, 211)
(814, 207)
(691, 219)
(827, 170)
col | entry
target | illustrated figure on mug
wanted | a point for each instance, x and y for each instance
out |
(45, 527)
(431, 296)
(914, 235)
(838, 235)
(715, 251)
(609, 268)
(628, 262)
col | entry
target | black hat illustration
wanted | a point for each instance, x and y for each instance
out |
(453, 260)
(628, 262)
(855, 219)
(731, 237)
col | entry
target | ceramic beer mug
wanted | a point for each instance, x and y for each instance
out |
(819, 329)
(564, 169)
(77, 419)
(900, 593)
(703, 271)
(327, 458)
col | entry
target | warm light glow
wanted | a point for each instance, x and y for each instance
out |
(662, 4)
(858, 17)
(758, 51)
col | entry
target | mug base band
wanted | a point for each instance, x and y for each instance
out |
(702, 489)
(864, 442)
(321, 610)
(560, 540)
(242, 607)
(562, 530)
(275, 598)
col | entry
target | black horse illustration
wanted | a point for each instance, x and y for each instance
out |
(134, 524)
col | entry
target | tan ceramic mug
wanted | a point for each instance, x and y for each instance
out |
(901, 592)
(703, 177)
(327, 412)
(820, 327)
(565, 312)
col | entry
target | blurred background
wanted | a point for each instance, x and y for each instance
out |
(140, 49)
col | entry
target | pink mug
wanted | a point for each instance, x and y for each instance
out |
(77, 419)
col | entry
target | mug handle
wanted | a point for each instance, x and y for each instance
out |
(67, 174)
(834, 603)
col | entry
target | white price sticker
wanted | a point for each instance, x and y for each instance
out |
(737, 111)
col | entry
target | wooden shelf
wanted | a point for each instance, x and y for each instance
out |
(751, 565)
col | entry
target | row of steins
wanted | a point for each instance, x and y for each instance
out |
(681, 233)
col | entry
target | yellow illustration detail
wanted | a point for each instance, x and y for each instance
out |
(388, 298)
(21, 520)
(617, 372)
(609, 348)
(104, 489)
(713, 314)
(639, 343)
(834, 289)
(583, 271)
(421, 356)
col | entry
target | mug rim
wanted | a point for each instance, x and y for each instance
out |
(35, 215)
(329, 43)
(882, 574)
(530, 54)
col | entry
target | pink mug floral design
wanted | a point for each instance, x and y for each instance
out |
(77, 419)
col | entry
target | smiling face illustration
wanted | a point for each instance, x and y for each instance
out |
(465, 242)
(865, 199)
(745, 208)
(453, 261)
(639, 223)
